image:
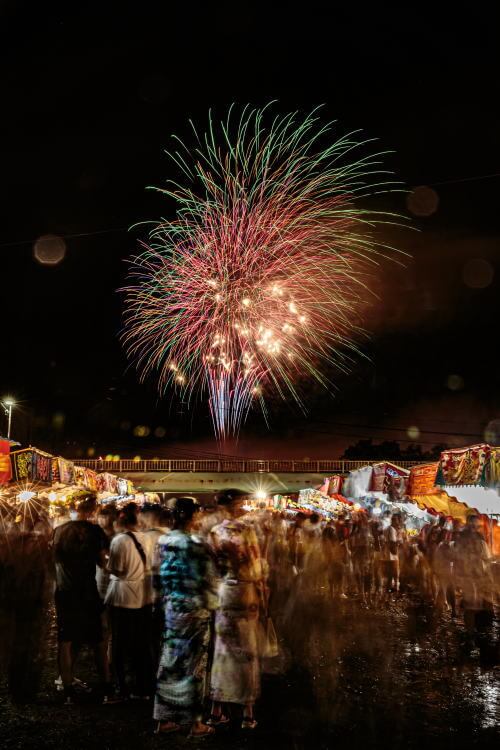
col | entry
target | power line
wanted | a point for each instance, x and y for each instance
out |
(454, 181)
(465, 179)
(66, 236)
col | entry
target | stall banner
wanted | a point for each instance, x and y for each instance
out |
(335, 484)
(106, 483)
(41, 468)
(396, 485)
(5, 465)
(56, 477)
(378, 478)
(396, 482)
(80, 475)
(422, 479)
(91, 479)
(66, 470)
(463, 466)
(101, 483)
(389, 478)
(492, 469)
(22, 463)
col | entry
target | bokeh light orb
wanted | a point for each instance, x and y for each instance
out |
(478, 273)
(160, 432)
(141, 430)
(49, 250)
(455, 382)
(413, 432)
(422, 201)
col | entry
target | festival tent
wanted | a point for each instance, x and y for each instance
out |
(391, 479)
(475, 465)
(441, 502)
(483, 499)
(59, 481)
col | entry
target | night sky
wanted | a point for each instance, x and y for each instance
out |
(91, 95)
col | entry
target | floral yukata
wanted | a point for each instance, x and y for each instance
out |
(235, 674)
(187, 584)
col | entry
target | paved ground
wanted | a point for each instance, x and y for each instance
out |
(397, 677)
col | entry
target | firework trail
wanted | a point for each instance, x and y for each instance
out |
(258, 282)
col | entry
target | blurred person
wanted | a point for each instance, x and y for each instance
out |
(130, 629)
(186, 583)
(78, 546)
(150, 519)
(444, 582)
(278, 560)
(296, 543)
(377, 532)
(312, 580)
(472, 560)
(166, 521)
(24, 601)
(362, 548)
(235, 676)
(106, 517)
(335, 555)
(211, 516)
(395, 537)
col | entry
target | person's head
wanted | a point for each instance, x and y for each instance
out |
(86, 506)
(474, 523)
(106, 516)
(232, 500)
(314, 519)
(184, 511)
(397, 521)
(300, 518)
(166, 518)
(126, 519)
(150, 516)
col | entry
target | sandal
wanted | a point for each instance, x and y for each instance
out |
(217, 721)
(248, 723)
(167, 727)
(205, 731)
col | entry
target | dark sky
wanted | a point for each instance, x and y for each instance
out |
(91, 95)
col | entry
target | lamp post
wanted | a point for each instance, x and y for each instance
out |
(8, 403)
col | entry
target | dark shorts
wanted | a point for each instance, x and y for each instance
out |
(78, 619)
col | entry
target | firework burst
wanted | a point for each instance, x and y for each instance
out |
(257, 284)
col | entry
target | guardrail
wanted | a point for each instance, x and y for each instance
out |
(170, 465)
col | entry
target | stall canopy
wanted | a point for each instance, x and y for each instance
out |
(483, 499)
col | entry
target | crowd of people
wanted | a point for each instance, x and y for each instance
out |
(178, 603)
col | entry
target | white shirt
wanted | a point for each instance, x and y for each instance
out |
(127, 579)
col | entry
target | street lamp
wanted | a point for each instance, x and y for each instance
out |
(7, 404)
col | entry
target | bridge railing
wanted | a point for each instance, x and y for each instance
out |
(170, 465)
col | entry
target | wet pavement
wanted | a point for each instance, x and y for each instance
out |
(398, 676)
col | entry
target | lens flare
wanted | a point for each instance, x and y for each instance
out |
(259, 281)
